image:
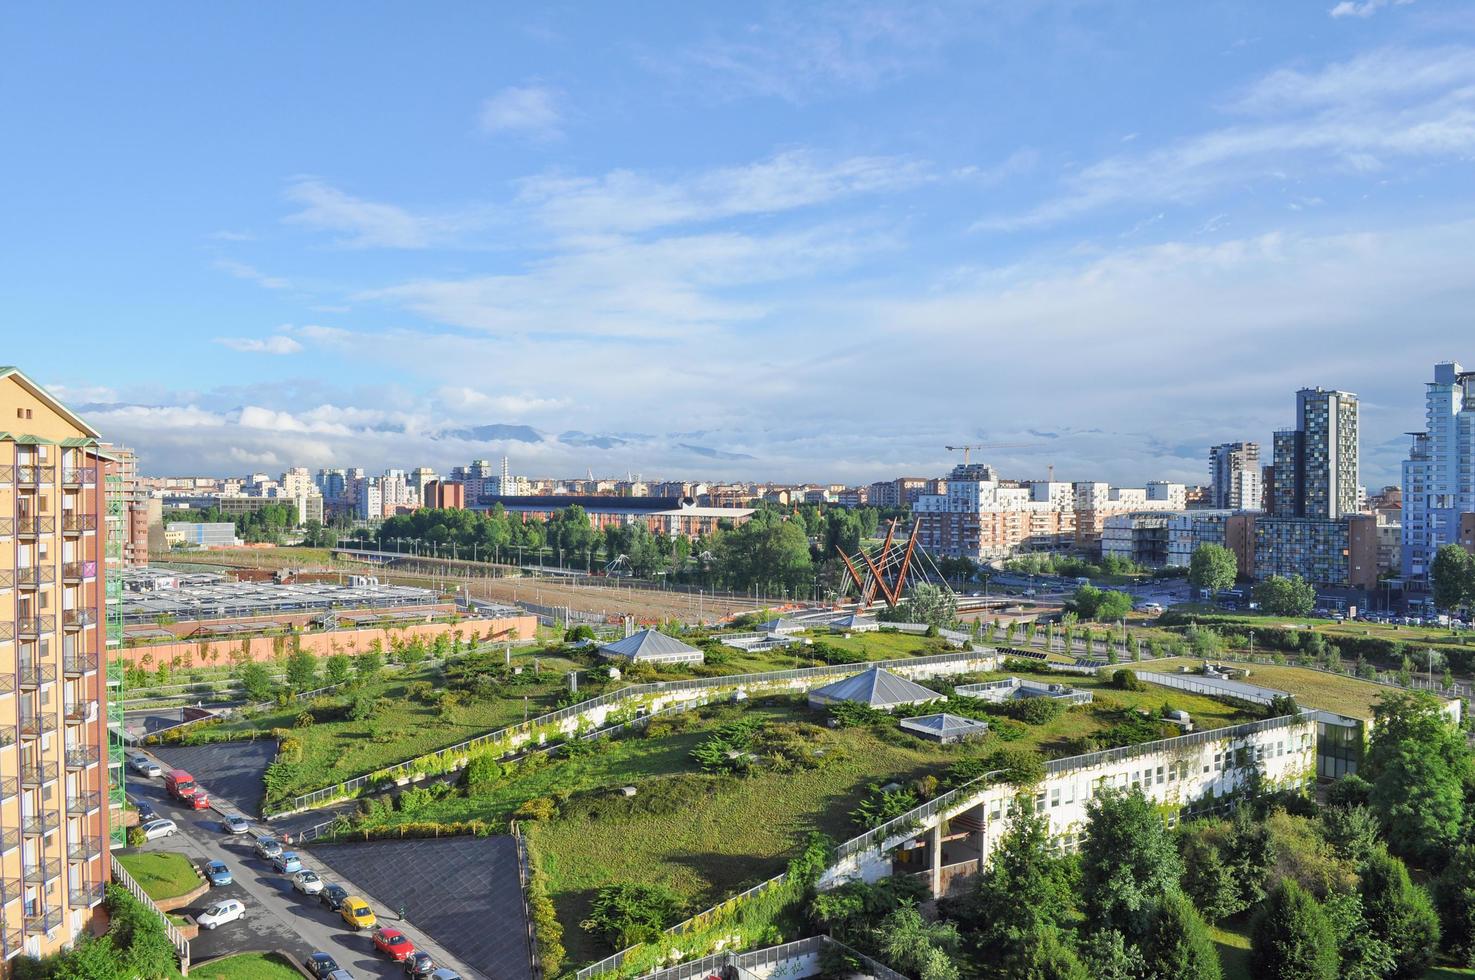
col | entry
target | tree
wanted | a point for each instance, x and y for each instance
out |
(1212, 567)
(1399, 913)
(1282, 596)
(1024, 892)
(1418, 763)
(1364, 955)
(368, 664)
(1292, 939)
(1454, 896)
(631, 912)
(337, 669)
(926, 603)
(1128, 862)
(302, 670)
(257, 682)
(1089, 602)
(1452, 575)
(1178, 944)
(911, 944)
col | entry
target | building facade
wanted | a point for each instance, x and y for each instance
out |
(983, 519)
(1339, 553)
(1316, 464)
(1234, 476)
(53, 795)
(1439, 473)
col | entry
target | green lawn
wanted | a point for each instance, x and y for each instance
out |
(1311, 688)
(708, 837)
(246, 966)
(162, 874)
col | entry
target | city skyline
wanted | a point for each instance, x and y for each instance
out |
(679, 250)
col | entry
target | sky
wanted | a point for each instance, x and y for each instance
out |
(769, 241)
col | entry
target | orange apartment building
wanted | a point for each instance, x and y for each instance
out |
(53, 697)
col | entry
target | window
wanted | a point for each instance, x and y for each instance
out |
(1054, 797)
(1159, 775)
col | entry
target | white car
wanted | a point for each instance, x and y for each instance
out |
(144, 766)
(220, 913)
(307, 882)
(155, 829)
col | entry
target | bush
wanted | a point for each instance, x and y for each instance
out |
(538, 808)
(1034, 711)
(136, 837)
(414, 799)
(481, 775)
(547, 930)
(1399, 913)
(1022, 767)
(1126, 680)
(632, 912)
(1292, 939)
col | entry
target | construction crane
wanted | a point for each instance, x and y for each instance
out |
(966, 450)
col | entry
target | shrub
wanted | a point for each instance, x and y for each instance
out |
(1034, 711)
(414, 799)
(289, 749)
(882, 806)
(1022, 767)
(1399, 913)
(1126, 680)
(1292, 938)
(538, 808)
(481, 775)
(136, 837)
(632, 912)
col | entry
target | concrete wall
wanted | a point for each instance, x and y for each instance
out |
(326, 643)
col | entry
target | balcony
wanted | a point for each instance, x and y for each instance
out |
(7, 578)
(12, 942)
(9, 787)
(29, 527)
(77, 523)
(77, 571)
(78, 663)
(33, 674)
(7, 527)
(34, 627)
(7, 685)
(84, 802)
(75, 619)
(84, 849)
(39, 871)
(7, 474)
(43, 920)
(82, 756)
(36, 773)
(40, 823)
(34, 476)
(80, 710)
(79, 476)
(35, 576)
(36, 725)
(9, 841)
(85, 895)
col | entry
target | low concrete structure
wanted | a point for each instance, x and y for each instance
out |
(652, 647)
(1012, 687)
(876, 688)
(945, 728)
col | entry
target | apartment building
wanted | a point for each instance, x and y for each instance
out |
(983, 519)
(1094, 502)
(53, 764)
(1234, 476)
(131, 514)
(1341, 553)
(1439, 473)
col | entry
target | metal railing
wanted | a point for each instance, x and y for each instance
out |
(75, 571)
(35, 725)
(34, 627)
(36, 773)
(32, 526)
(82, 756)
(9, 840)
(7, 630)
(41, 871)
(34, 475)
(181, 944)
(79, 476)
(85, 801)
(32, 673)
(73, 523)
(84, 848)
(42, 920)
(80, 710)
(85, 895)
(79, 663)
(35, 576)
(7, 527)
(7, 474)
(9, 786)
(7, 684)
(77, 618)
(39, 823)
(350, 787)
(769, 961)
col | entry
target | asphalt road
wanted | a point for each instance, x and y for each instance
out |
(277, 917)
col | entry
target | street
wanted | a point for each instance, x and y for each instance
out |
(277, 917)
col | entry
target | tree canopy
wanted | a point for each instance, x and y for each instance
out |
(1213, 567)
(1281, 596)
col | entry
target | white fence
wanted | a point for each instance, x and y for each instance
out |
(181, 945)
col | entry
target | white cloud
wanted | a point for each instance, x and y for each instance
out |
(243, 271)
(278, 344)
(530, 110)
(1349, 117)
(517, 406)
(366, 224)
(1364, 8)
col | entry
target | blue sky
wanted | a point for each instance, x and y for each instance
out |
(787, 240)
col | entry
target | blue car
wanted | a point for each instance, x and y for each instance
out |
(287, 862)
(218, 873)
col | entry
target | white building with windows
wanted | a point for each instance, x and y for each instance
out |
(1439, 474)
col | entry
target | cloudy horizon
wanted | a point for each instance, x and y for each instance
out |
(816, 243)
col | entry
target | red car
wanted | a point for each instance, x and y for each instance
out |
(393, 943)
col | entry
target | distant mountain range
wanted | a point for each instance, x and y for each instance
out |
(501, 432)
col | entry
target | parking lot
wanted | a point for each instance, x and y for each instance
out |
(234, 770)
(277, 917)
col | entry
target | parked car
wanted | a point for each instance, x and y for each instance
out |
(218, 873)
(219, 914)
(419, 965)
(155, 829)
(267, 847)
(307, 882)
(146, 813)
(393, 943)
(143, 765)
(287, 862)
(320, 965)
(445, 974)
(332, 896)
(356, 912)
(236, 824)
